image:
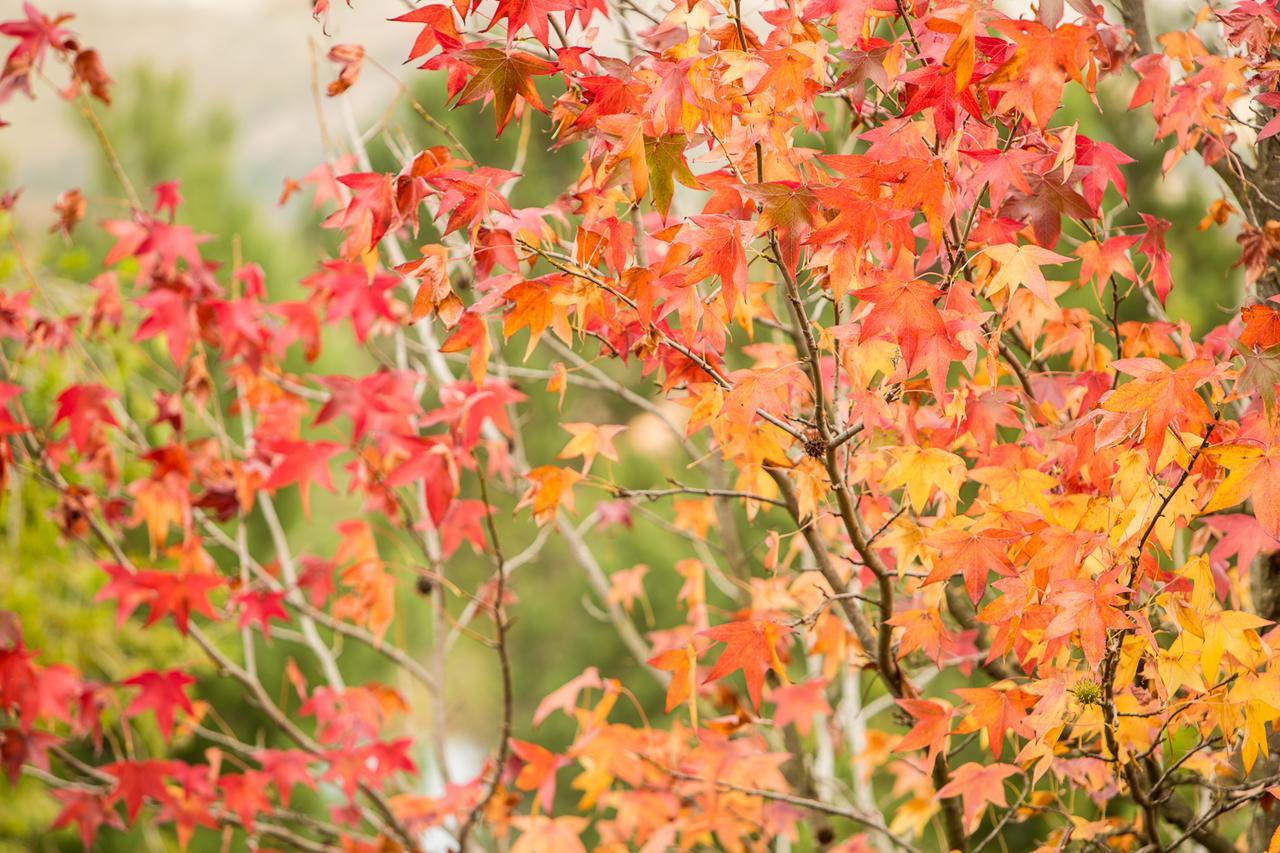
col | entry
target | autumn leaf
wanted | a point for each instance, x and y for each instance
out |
(994, 710)
(88, 810)
(550, 489)
(1091, 607)
(163, 693)
(437, 28)
(975, 554)
(85, 407)
(750, 646)
(139, 780)
(978, 786)
(1020, 267)
(505, 76)
(1254, 474)
(907, 313)
(798, 704)
(260, 607)
(542, 834)
(565, 698)
(682, 663)
(931, 729)
(924, 471)
(472, 334)
(1156, 399)
(537, 771)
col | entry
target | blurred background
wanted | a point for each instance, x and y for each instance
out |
(220, 95)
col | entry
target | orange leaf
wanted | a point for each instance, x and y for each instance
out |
(750, 646)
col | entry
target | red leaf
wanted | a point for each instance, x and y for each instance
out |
(245, 796)
(161, 692)
(260, 607)
(287, 768)
(138, 780)
(84, 407)
(88, 810)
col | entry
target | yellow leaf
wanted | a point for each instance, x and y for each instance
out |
(921, 470)
(590, 440)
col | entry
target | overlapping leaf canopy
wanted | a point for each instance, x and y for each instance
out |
(854, 258)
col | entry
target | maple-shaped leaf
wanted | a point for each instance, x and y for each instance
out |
(906, 312)
(682, 663)
(627, 585)
(168, 196)
(995, 710)
(139, 780)
(1260, 374)
(770, 392)
(664, 165)
(436, 21)
(922, 628)
(472, 334)
(463, 522)
(287, 769)
(721, 242)
(348, 291)
(550, 487)
(300, 463)
(978, 786)
(163, 693)
(19, 748)
(1228, 632)
(590, 440)
(506, 76)
(88, 810)
(534, 14)
(751, 645)
(1051, 198)
(932, 727)
(84, 407)
(1090, 606)
(565, 698)
(245, 795)
(1261, 326)
(1020, 267)
(541, 834)
(259, 607)
(1098, 261)
(1033, 78)
(1102, 162)
(924, 470)
(179, 594)
(1242, 538)
(431, 463)
(535, 306)
(788, 210)
(1157, 398)
(468, 198)
(1254, 474)
(369, 764)
(974, 553)
(798, 704)
(538, 770)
